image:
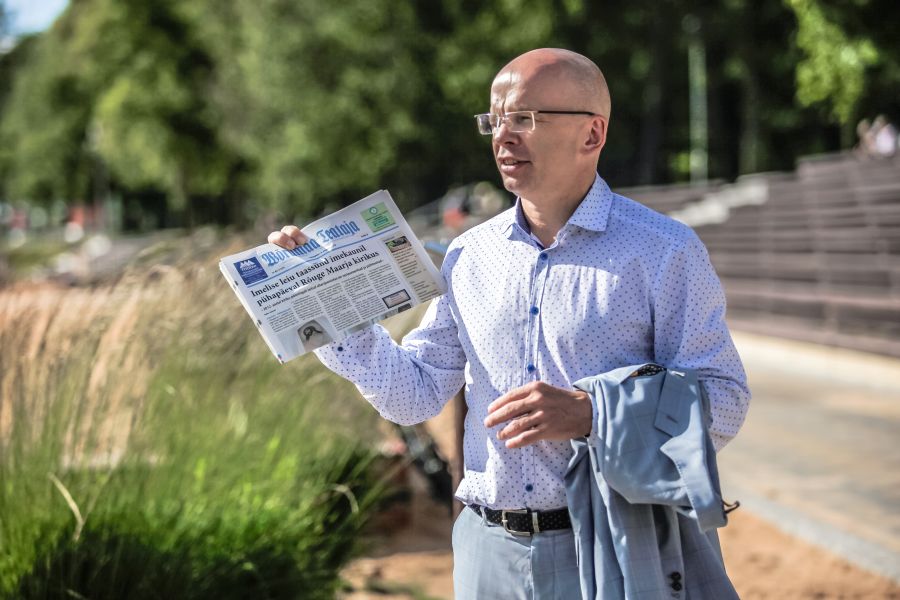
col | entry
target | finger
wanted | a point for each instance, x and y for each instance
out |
(512, 410)
(527, 437)
(510, 396)
(293, 232)
(523, 423)
(282, 239)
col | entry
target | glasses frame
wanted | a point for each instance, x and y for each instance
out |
(486, 126)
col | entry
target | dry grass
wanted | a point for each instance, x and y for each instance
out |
(156, 398)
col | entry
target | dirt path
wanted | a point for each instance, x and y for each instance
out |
(412, 561)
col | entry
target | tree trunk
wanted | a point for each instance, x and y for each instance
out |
(748, 161)
(652, 120)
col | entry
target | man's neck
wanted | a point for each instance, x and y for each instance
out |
(547, 215)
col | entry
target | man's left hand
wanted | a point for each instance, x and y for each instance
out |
(539, 411)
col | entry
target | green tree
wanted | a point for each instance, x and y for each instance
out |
(870, 25)
(42, 131)
(123, 82)
(154, 122)
(305, 105)
(833, 69)
(318, 97)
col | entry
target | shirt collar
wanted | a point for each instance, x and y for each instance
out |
(592, 212)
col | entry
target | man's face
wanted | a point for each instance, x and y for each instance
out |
(538, 164)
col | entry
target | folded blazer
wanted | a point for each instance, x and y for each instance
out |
(643, 490)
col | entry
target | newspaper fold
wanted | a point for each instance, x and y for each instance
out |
(361, 265)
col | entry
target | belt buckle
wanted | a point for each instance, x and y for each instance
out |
(505, 522)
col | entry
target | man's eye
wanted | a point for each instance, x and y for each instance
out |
(522, 120)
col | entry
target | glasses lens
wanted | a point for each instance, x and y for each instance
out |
(520, 121)
(484, 124)
(517, 122)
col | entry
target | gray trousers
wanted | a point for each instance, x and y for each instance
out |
(490, 563)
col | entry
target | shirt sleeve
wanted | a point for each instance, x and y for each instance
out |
(690, 333)
(410, 382)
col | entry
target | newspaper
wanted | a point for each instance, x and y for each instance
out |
(361, 265)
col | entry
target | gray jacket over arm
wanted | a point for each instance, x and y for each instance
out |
(643, 490)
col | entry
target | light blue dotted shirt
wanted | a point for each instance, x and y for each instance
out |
(621, 285)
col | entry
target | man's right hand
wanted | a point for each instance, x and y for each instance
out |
(288, 238)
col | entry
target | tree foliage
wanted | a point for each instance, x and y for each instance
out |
(303, 105)
(43, 125)
(319, 101)
(834, 66)
(153, 121)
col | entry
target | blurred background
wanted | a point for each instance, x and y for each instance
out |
(168, 113)
(147, 440)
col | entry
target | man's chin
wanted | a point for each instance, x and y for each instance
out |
(513, 185)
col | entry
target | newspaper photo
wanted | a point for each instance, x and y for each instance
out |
(361, 264)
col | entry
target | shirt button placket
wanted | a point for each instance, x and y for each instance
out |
(540, 276)
(542, 264)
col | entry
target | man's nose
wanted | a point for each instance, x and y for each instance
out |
(502, 134)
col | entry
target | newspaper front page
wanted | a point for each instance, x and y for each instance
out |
(361, 265)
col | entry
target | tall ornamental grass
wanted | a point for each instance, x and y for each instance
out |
(151, 446)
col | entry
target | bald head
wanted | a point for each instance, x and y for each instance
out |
(552, 160)
(554, 66)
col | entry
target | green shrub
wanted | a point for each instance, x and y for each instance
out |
(151, 447)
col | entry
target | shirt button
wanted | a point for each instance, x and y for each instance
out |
(543, 255)
(340, 348)
(529, 487)
(534, 310)
(530, 368)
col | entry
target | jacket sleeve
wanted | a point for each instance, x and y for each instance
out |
(690, 332)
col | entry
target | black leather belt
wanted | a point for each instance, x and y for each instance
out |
(525, 521)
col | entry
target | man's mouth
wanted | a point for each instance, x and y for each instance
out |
(510, 162)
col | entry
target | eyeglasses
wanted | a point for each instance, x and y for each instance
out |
(518, 121)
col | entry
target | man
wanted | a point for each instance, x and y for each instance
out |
(573, 281)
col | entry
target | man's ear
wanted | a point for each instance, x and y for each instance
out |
(597, 134)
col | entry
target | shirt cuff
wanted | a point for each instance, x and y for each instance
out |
(336, 355)
(593, 438)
